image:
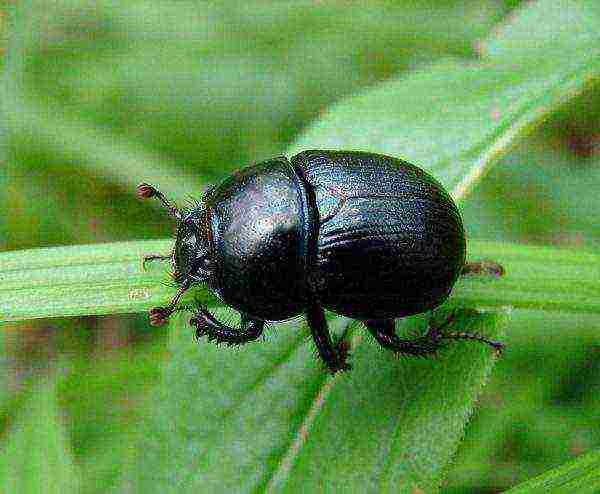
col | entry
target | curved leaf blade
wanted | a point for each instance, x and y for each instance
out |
(454, 118)
(81, 280)
(581, 475)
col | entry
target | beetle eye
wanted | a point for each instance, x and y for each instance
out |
(203, 265)
(207, 264)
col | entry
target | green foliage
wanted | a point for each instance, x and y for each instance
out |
(90, 279)
(580, 475)
(36, 456)
(268, 417)
(97, 96)
(109, 278)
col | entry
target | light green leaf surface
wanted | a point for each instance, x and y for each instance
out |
(455, 118)
(581, 475)
(108, 279)
(266, 416)
(35, 455)
(80, 280)
(536, 278)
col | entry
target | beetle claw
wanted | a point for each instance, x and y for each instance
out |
(342, 348)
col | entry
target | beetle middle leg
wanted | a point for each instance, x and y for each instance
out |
(334, 356)
(485, 267)
(207, 324)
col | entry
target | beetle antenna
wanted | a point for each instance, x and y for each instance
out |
(160, 315)
(145, 191)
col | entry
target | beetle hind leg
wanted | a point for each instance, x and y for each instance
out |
(384, 331)
(207, 325)
(461, 335)
(435, 332)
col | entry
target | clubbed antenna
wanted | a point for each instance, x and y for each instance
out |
(160, 315)
(145, 191)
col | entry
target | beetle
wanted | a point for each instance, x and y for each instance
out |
(364, 235)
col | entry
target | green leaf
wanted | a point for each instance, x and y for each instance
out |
(454, 118)
(548, 30)
(35, 456)
(267, 416)
(540, 407)
(79, 280)
(140, 89)
(108, 279)
(536, 277)
(581, 475)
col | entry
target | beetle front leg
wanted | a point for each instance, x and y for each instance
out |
(160, 315)
(334, 356)
(207, 324)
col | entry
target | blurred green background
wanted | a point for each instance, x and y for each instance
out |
(98, 96)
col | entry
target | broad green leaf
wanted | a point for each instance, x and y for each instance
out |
(35, 455)
(581, 475)
(108, 279)
(540, 407)
(547, 30)
(131, 89)
(455, 118)
(266, 416)
(243, 468)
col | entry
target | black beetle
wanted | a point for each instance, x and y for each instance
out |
(363, 235)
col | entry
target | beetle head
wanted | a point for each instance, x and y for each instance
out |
(192, 259)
